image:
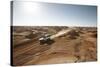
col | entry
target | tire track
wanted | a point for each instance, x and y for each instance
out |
(16, 53)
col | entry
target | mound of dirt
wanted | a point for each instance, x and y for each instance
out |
(94, 35)
(73, 34)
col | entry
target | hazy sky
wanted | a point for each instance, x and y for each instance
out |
(36, 13)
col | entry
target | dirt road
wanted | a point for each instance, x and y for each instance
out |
(61, 33)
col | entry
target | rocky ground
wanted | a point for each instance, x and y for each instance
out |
(77, 45)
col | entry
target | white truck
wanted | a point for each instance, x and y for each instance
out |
(46, 39)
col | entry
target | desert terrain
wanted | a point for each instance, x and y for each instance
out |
(67, 45)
